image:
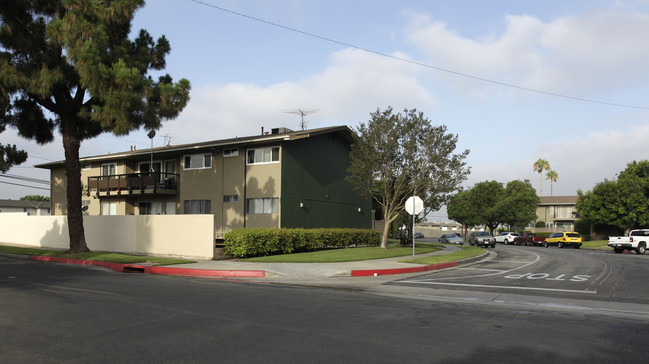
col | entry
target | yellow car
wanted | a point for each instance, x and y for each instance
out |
(563, 239)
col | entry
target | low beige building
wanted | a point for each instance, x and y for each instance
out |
(281, 178)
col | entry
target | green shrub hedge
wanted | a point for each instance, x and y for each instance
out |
(254, 242)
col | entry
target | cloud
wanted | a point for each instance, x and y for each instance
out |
(344, 93)
(581, 162)
(577, 53)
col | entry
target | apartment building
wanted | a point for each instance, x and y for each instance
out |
(281, 178)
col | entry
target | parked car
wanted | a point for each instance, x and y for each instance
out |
(481, 238)
(528, 239)
(452, 238)
(419, 235)
(506, 237)
(637, 240)
(563, 239)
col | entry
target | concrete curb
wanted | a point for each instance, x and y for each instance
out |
(136, 268)
(382, 272)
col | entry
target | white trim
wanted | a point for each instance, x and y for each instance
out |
(267, 149)
(203, 161)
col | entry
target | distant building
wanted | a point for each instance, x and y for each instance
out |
(32, 208)
(280, 178)
(558, 212)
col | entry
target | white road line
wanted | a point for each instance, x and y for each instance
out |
(506, 287)
(538, 257)
(485, 269)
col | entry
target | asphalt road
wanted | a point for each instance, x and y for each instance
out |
(568, 273)
(59, 313)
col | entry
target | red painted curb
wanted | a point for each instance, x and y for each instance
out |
(382, 272)
(156, 270)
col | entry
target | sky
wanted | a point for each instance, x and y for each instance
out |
(566, 81)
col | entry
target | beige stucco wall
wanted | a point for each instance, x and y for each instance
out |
(263, 180)
(232, 181)
(189, 236)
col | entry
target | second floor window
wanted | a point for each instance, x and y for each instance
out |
(197, 161)
(263, 155)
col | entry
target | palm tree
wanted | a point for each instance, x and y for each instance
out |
(540, 166)
(553, 177)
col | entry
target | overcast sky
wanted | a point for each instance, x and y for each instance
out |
(574, 65)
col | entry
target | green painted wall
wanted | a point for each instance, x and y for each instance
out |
(313, 174)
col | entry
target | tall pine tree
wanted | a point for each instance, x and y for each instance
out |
(68, 66)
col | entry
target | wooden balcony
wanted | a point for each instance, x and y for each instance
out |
(146, 183)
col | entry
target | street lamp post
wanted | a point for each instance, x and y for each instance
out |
(151, 135)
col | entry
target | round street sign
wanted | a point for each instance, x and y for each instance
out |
(414, 205)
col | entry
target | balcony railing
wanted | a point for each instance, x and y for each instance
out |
(130, 183)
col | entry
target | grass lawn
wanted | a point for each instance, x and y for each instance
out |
(596, 244)
(466, 252)
(349, 254)
(96, 256)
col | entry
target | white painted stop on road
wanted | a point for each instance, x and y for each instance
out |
(414, 205)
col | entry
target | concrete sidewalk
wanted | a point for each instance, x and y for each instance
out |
(293, 271)
(238, 268)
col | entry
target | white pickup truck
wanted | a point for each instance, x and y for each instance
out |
(637, 240)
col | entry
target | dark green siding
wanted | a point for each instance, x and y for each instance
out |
(313, 174)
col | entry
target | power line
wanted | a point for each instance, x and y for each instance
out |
(18, 184)
(26, 179)
(466, 75)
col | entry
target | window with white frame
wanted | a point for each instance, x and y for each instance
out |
(109, 208)
(266, 205)
(230, 152)
(263, 155)
(197, 161)
(197, 207)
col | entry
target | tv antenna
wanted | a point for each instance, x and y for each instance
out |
(302, 113)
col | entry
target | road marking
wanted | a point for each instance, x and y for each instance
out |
(484, 269)
(506, 287)
(496, 272)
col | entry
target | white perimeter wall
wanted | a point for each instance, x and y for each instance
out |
(188, 236)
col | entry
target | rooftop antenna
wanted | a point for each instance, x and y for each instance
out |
(302, 113)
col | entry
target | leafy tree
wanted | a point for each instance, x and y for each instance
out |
(395, 156)
(553, 177)
(34, 198)
(67, 66)
(621, 204)
(9, 154)
(519, 204)
(485, 197)
(539, 166)
(460, 209)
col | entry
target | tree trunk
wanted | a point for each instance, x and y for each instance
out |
(386, 229)
(71, 144)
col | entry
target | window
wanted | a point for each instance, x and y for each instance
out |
(197, 161)
(150, 208)
(170, 208)
(109, 169)
(263, 155)
(268, 205)
(145, 167)
(230, 198)
(231, 152)
(197, 207)
(109, 208)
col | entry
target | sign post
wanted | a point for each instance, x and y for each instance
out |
(414, 205)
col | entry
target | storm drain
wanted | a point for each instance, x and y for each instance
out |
(133, 269)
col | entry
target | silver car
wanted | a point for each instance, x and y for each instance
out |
(481, 238)
(451, 239)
